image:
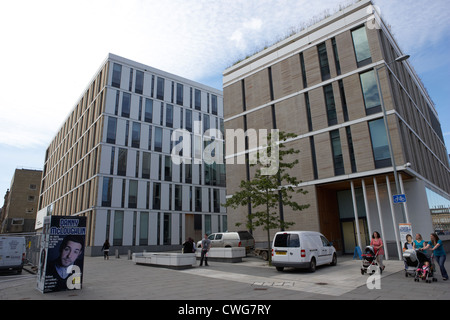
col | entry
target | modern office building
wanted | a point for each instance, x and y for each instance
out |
(111, 160)
(322, 85)
(21, 202)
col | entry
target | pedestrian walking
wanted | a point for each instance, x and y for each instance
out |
(378, 246)
(439, 253)
(105, 249)
(206, 244)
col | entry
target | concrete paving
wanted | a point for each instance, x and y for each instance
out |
(252, 279)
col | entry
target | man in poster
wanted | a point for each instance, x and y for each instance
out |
(65, 265)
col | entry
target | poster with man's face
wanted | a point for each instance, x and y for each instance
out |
(62, 254)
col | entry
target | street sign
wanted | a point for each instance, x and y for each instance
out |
(399, 198)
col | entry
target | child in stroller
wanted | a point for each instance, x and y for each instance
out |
(425, 270)
(369, 261)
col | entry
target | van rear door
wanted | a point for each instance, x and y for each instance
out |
(281, 250)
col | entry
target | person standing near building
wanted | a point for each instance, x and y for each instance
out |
(206, 244)
(439, 253)
(105, 250)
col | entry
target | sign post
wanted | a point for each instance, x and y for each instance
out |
(62, 254)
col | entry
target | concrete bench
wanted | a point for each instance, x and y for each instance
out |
(232, 255)
(164, 259)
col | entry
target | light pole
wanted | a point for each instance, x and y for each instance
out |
(394, 166)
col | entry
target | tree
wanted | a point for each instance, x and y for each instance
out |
(270, 187)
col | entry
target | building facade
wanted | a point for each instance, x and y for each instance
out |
(111, 160)
(322, 85)
(21, 202)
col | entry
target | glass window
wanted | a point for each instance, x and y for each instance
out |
(361, 45)
(380, 144)
(214, 104)
(136, 135)
(302, 62)
(331, 106)
(323, 60)
(370, 92)
(126, 103)
(189, 120)
(169, 115)
(156, 195)
(337, 153)
(118, 228)
(351, 149)
(107, 192)
(178, 197)
(139, 85)
(111, 132)
(117, 75)
(158, 139)
(180, 94)
(167, 168)
(132, 194)
(148, 116)
(198, 199)
(167, 234)
(336, 56)
(146, 162)
(198, 99)
(143, 228)
(160, 88)
(122, 162)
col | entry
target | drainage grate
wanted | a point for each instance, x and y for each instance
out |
(321, 283)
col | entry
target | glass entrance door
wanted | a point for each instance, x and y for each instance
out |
(350, 236)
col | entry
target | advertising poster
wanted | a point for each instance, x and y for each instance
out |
(405, 229)
(61, 254)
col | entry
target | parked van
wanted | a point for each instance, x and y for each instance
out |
(231, 239)
(12, 253)
(302, 249)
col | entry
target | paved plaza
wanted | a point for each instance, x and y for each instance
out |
(252, 279)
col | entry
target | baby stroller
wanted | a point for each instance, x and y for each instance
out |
(411, 262)
(425, 269)
(369, 261)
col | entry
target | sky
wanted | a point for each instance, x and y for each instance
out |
(50, 50)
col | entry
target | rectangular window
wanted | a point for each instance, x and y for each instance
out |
(338, 159)
(350, 149)
(313, 157)
(118, 228)
(198, 199)
(180, 94)
(136, 135)
(132, 194)
(150, 138)
(189, 120)
(160, 88)
(143, 228)
(178, 197)
(370, 92)
(117, 75)
(331, 106)
(156, 196)
(167, 234)
(158, 139)
(169, 115)
(380, 144)
(111, 132)
(361, 46)
(139, 85)
(308, 112)
(336, 56)
(111, 166)
(107, 192)
(126, 103)
(148, 116)
(216, 200)
(198, 99)
(146, 164)
(167, 168)
(122, 162)
(302, 63)
(130, 82)
(323, 61)
(214, 104)
(343, 99)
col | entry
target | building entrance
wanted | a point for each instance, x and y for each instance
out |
(349, 234)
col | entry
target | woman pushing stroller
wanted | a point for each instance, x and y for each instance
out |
(438, 252)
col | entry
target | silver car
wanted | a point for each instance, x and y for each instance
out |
(231, 239)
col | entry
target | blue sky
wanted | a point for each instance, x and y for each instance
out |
(52, 48)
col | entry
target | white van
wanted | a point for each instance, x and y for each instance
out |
(12, 253)
(302, 249)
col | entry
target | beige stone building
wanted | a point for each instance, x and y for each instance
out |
(322, 85)
(21, 202)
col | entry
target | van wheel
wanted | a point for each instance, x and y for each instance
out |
(312, 265)
(280, 269)
(334, 260)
